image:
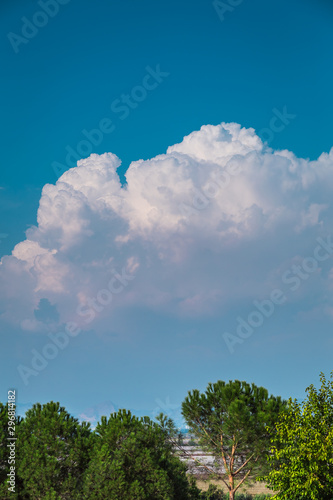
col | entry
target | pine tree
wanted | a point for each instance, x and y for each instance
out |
(231, 421)
(134, 460)
(53, 453)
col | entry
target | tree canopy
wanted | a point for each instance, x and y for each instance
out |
(231, 421)
(301, 457)
(249, 433)
(135, 460)
(58, 458)
(53, 452)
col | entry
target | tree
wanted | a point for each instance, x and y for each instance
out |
(53, 453)
(302, 448)
(134, 459)
(231, 420)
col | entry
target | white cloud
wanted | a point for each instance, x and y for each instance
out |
(209, 223)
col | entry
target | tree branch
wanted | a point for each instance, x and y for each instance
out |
(242, 481)
(245, 463)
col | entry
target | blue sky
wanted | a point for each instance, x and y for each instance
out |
(262, 58)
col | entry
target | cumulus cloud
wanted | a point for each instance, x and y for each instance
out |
(213, 221)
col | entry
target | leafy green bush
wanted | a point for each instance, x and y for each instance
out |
(244, 496)
(213, 493)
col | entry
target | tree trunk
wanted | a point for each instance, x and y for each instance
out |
(231, 486)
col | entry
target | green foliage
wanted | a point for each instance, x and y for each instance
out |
(213, 493)
(53, 453)
(302, 449)
(57, 458)
(134, 460)
(231, 420)
(125, 458)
